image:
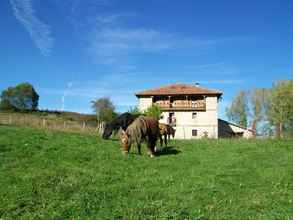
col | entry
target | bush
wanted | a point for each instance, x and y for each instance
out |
(154, 111)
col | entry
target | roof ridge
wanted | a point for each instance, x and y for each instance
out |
(177, 88)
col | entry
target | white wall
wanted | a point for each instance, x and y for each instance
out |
(205, 121)
(144, 103)
(246, 132)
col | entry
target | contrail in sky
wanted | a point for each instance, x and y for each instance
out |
(69, 85)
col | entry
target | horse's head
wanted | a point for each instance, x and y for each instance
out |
(125, 141)
(107, 131)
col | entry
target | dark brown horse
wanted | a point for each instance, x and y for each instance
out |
(122, 121)
(166, 131)
(142, 129)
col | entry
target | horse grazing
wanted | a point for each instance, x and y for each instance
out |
(166, 131)
(122, 121)
(142, 129)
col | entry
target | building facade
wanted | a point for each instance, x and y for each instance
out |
(191, 110)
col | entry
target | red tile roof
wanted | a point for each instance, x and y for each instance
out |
(179, 89)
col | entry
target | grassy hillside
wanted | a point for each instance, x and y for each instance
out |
(68, 116)
(54, 175)
(54, 120)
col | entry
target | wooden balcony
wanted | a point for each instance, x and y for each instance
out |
(182, 105)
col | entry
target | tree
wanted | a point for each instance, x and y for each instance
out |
(265, 121)
(258, 106)
(238, 110)
(154, 111)
(21, 97)
(281, 106)
(134, 110)
(105, 109)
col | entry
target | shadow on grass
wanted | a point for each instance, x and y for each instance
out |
(167, 151)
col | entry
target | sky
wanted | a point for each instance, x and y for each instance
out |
(76, 51)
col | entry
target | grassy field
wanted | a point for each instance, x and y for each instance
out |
(55, 175)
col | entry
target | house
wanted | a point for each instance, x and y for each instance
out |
(231, 130)
(190, 109)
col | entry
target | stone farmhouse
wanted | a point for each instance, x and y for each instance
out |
(192, 111)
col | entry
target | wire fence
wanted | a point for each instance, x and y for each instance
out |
(51, 123)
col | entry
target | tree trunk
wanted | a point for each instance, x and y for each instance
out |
(254, 126)
(279, 130)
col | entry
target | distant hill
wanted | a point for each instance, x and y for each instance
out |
(66, 115)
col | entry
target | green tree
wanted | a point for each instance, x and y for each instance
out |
(258, 106)
(105, 109)
(281, 106)
(154, 111)
(21, 97)
(238, 110)
(134, 110)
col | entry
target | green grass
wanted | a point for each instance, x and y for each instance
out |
(54, 175)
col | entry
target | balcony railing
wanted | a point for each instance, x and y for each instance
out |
(199, 105)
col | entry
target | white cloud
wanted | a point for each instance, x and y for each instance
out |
(212, 69)
(112, 19)
(112, 44)
(39, 31)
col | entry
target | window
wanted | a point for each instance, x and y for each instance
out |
(194, 133)
(194, 114)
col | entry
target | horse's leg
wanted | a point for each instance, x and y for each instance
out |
(139, 148)
(165, 139)
(161, 140)
(151, 147)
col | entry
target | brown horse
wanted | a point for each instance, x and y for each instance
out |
(166, 131)
(141, 129)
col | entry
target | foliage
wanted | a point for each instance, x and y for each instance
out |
(134, 110)
(281, 105)
(238, 110)
(154, 111)
(105, 109)
(258, 103)
(72, 176)
(21, 97)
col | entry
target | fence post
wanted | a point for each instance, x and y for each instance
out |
(10, 119)
(44, 123)
(83, 126)
(64, 125)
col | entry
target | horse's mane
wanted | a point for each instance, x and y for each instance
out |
(123, 120)
(137, 130)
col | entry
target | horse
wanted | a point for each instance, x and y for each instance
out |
(122, 121)
(141, 129)
(166, 131)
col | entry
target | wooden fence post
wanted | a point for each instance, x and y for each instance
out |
(83, 126)
(10, 119)
(44, 123)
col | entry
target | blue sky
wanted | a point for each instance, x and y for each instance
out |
(74, 51)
